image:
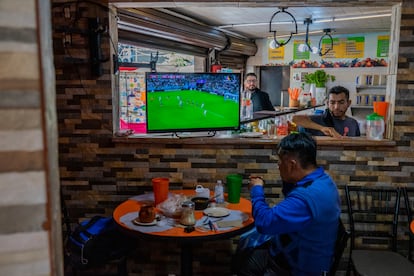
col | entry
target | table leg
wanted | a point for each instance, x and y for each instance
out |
(186, 259)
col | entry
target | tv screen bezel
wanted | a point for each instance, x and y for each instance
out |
(191, 129)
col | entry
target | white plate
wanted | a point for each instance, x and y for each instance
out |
(216, 212)
(251, 134)
(137, 222)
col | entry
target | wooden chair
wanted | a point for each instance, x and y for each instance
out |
(409, 207)
(373, 219)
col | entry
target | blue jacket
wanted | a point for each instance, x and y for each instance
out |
(309, 216)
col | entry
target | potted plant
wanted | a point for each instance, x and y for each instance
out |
(319, 78)
(317, 81)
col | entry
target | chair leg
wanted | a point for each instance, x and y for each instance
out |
(122, 267)
(349, 267)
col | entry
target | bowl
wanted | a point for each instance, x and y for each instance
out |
(200, 203)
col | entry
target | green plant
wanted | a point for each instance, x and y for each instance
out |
(319, 78)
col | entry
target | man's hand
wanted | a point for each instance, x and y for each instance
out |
(255, 181)
(330, 131)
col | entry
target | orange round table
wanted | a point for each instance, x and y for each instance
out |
(177, 233)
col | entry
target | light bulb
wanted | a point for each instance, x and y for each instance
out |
(302, 48)
(314, 50)
(273, 44)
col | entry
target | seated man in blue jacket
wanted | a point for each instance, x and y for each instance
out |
(301, 230)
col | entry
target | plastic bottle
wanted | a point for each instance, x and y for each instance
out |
(247, 107)
(219, 192)
(375, 126)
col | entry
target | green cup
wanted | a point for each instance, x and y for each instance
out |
(234, 183)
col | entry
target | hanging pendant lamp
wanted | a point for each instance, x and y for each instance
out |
(307, 47)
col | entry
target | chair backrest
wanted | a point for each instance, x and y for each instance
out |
(373, 216)
(409, 207)
(340, 245)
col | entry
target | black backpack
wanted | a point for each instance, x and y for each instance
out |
(97, 241)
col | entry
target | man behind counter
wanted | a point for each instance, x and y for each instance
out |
(260, 99)
(333, 122)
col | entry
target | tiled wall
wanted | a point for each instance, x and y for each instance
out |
(96, 173)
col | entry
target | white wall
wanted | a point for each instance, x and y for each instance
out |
(261, 58)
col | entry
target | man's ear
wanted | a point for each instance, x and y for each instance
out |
(293, 164)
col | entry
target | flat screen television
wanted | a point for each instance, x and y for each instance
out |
(192, 102)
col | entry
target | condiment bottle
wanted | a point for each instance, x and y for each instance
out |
(187, 216)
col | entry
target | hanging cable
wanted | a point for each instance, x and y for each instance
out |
(274, 42)
(327, 34)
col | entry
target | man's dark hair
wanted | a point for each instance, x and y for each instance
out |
(338, 90)
(250, 75)
(301, 145)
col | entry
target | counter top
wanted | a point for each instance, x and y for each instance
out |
(235, 139)
(279, 111)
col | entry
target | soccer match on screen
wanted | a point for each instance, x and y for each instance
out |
(192, 101)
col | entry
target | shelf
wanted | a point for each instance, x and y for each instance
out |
(371, 87)
(361, 107)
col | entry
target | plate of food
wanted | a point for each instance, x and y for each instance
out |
(137, 222)
(216, 212)
(251, 134)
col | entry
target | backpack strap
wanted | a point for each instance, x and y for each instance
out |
(82, 228)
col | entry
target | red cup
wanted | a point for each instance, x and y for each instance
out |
(160, 186)
(381, 108)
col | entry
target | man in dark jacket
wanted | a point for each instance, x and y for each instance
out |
(260, 99)
(300, 230)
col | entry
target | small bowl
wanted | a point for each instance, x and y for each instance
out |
(200, 203)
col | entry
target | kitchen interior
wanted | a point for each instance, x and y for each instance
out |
(354, 42)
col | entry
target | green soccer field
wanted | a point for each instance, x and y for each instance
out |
(190, 109)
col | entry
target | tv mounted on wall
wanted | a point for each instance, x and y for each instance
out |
(192, 102)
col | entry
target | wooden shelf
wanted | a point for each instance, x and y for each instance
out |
(371, 86)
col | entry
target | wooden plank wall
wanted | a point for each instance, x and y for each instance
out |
(25, 206)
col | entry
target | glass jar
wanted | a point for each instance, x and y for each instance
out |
(187, 216)
(281, 125)
(375, 126)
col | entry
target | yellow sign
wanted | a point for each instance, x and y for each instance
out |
(347, 47)
(277, 53)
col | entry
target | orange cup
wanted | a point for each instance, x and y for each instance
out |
(381, 108)
(160, 186)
